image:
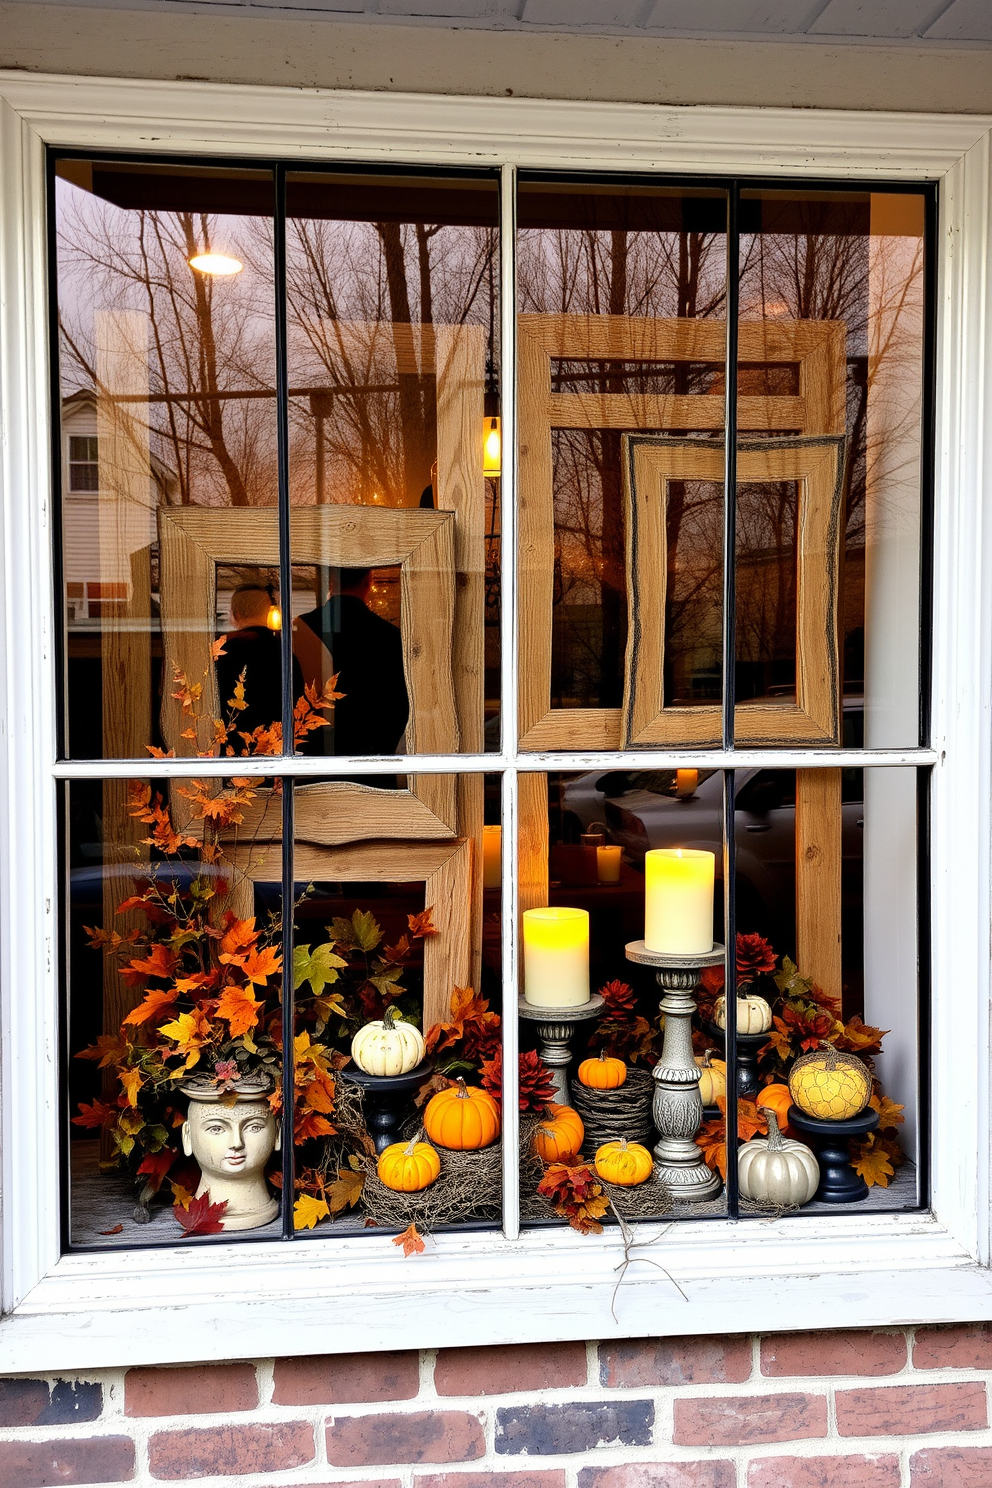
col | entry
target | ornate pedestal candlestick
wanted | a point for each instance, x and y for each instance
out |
(555, 1027)
(678, 1106)
(387, 1099)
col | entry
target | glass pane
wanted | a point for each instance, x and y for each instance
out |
(393, 303)
(398, 994)
(167, 386)
(827, 955)
(622, 334)
(829, 468)
(591, 1021)
(173, 974)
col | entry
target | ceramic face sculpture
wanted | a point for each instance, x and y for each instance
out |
(232, 1144)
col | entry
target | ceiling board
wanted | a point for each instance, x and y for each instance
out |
(966, 20)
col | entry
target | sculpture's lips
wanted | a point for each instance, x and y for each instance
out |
(234, 1162)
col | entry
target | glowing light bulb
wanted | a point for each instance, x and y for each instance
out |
(216, 263)
(274, 618)
(492, 446)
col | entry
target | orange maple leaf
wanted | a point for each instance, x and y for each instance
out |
(260, 965)
(469, 1015)
(239, 937)
(239, 1009)
(421, 925)
(159, 964)
(217, 648)
(308, 1124)
(97, 1114)
(410, 1240)
(157, 999)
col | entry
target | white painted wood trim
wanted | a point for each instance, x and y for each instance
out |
(87, 1311)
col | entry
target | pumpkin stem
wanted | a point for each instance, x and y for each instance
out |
(389, 1016)
(411, 1145)
(706, 1059)
(462, 1093)
(623, 1144)
(775, 1142)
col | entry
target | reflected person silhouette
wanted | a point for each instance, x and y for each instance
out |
(251, 647)
(345, 636)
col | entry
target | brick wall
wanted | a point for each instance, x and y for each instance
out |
(875, 1409)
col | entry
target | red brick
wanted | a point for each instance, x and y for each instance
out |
(230, 1450)
(347, 1379)
(854, 1351)
(951, 1467)
(95, 1459)
(421, 1436)
(198, 1390)
(908, 1410)
(824, 1472)
(957, 1346)
(741, 1420)
(517, 1366)
(554, 1478)
(675, 1361)
(717, 1474)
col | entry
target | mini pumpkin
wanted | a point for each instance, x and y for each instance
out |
(777, 1098)
(754, 1015)
(604, 1073)
(388, 1047)
(463, 1118)
(408, 1167)
(560, 1135)
(777, 1171)
(624, 1163)
(712, 1078)
(830, 1085)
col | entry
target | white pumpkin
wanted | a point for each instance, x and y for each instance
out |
(777, 1171)
(754, 1014)
(389, 1047)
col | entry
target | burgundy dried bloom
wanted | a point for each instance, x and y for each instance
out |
(755, 958)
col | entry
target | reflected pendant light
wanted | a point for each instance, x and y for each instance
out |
(492, 440)
(274, 618)
(215, 263)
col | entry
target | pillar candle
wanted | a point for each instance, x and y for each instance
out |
(678, 900)
(492, 864)
(556, 957)
(685, 783)
(608, 864)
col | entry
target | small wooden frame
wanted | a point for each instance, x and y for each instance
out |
(194, 540)
(815, 347)
(444, 868)
(651, 463)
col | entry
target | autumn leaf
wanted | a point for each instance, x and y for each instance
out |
(889, 1111)
(239, 1009)
(319, 967)
(308, 1125)
(115, 1230)
(470, 1020)
(97, 1114)
(239, 937)
(346, 1190)
(201, 1217)
(410, 1240)
(421, 925)
(160, 963)
(183, 1197)
(107, 1050)
(307, 1210)
(873, 1165)
(856, 1037)
(361, 931)
(189, 1032)
(132, 1081)
(711, 1139)
(576, 1195)
(260, 965)
(319, 1094)
(217, 648)
(155, 1003)
(155, 1165)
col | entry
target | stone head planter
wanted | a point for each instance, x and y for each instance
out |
(231, 1143)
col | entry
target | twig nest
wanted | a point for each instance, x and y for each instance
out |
(829, 1085)
(408, 1167)
(777, 1171)
(389, 1046)
(604, 1073)
(754, 1014)
(624, 1163)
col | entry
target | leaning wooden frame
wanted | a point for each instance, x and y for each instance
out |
(815, 348)
(651, 463)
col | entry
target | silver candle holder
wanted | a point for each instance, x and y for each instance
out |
(555, 1027)
(677, 1107)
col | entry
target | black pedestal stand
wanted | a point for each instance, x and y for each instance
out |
(385, 1099)
(748, 1045)
(839, 1183)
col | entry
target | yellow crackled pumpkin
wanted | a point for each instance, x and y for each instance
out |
(830, 1085)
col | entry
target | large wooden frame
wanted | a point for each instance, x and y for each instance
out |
(444, 868)
(650, 464)
(194, 540)
(816, 346)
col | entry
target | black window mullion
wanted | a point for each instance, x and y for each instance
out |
(729, 679)
(286, 642)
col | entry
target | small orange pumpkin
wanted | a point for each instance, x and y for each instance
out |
(624, 1163)
(777, 1098)
(604, 1073)
(408, 1167)
(463, 1118)
(560, 1135)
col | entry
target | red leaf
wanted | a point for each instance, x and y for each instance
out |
(115, 1231)
(202, 1217)
(410, 1240)
(155, 1165)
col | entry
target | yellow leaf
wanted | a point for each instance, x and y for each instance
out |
(180, 1195)
(132, 1081)
(307, 1210)
(346, 1190)
(873, 1165)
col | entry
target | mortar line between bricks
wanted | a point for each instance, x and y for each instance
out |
(755, 1358)
(832, 1432)
(426, 1389)
(593, 1366)
(265, 1370)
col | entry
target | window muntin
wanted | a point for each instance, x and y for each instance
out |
(560, 372)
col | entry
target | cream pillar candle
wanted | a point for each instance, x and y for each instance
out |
(556, 957)
(685, 783)
(492, 849)
(678, 900)
(608, 864)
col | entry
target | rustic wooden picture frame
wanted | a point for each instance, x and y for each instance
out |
(650, 463)
(817, 348)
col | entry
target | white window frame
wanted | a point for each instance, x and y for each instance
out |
(93, 1310)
